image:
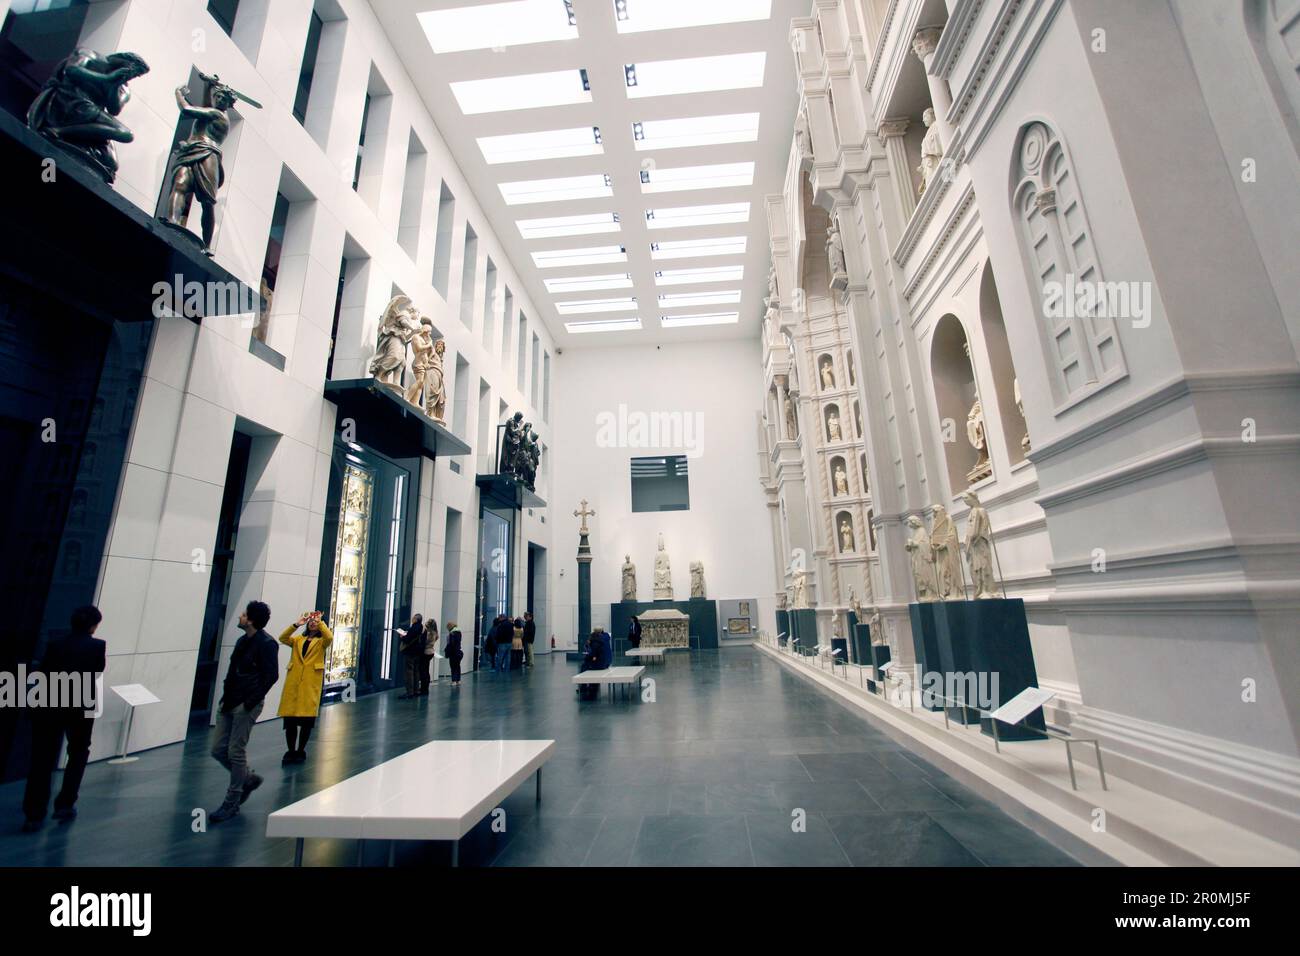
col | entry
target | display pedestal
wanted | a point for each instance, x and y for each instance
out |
(985, 644)
(840, 644)
(880, 656)
(782, 626)
(803, 627)
(702, 612)
(861, 643)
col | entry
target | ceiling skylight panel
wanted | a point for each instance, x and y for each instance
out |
(595, 186)
(590, 256)
(682, 178)
(702, 74)
(675, 217)
(588, 283)
(699, 276)
(496, 26)
(549, 144)
(524, 92)
(583, 306)
(692, 248)
(679, 300)
(556, 226)
(695, 131)
(639, 16)
(714, 318)
(605, 325)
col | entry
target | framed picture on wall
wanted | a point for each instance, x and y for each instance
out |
(743, 609)
(738, 625)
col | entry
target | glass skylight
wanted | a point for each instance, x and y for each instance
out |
(638, 16)
(692, 248)
(625, 304)
(588, 283)
(701, 74)
(677, 216)
(555, 226)
(590, 256)
(595, 186)
(697, 276)
(678, 300)
(605, 325)
(495, 26)
(716, 318)
(696, 131)
(682, 178)
(525, 92)
(550, 144)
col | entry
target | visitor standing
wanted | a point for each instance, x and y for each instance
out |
(412, 648)
(254, 669)
(505, 638)
(430, 651)
(530, 635)
(634, 632)
(454, 653)
(303, 682)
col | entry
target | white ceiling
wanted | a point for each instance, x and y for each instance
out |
(603, 52)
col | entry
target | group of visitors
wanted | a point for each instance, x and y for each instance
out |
(419, 646)
(509, 643)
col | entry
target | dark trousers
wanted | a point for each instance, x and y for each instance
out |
(413, 674)
(425, 661)
(48, 731)
(454, 660)
(297, 731)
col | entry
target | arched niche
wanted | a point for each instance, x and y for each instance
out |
(814, 271)
(845, 536)
(862, 463)
(826, 371)
(1014, 430)
(857, 417)
(841, 484)
(871, 528)
(834, 423)
(853, 375)
(954, 396)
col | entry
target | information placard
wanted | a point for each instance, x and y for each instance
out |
(135, 694)
(1022, 705)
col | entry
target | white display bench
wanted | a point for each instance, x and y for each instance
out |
(646, 653)
(611, 676)
(438, 791)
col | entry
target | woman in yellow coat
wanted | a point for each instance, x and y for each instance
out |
(300, 698)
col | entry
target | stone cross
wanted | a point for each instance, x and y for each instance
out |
(584, 514)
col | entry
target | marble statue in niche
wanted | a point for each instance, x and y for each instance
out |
(833, 427)
(1020, 407)
(922, 557)
(835, 250)
(979, 441)
(841, 479)
(931, 151)
(397, 327)
(979, 548)
(791, 418)
(828, 373)
(800, 589)
(78, 106)
(421, 361)
(629, 578)
(947, 557)
(802, 139)
(697, 579)
(663, 583)
(846, 535)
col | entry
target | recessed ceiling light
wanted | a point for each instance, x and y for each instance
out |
(681, 321)
(525, 92)
(569, 225)
(527, 191)
(695, 131)
(625, 304)
(550, 144)
(588, 283)
(496, 26)
(637, 16)
(678, 216)
(691, 248)
(697, 276)
(682, 178)
(605, 325)
(678, 300)
(702, 74)
(590, 256)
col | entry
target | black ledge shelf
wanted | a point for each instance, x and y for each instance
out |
(509, 491)
(388, 423)
(79, 241)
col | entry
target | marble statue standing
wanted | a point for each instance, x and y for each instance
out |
(841, 480)
(835, 250)
(421, 362)
(697, 579)
(663, 583)
(947, 555)
(833, 427)
(918, 547)
(791, 418)
(629, 578)
(802, 139)
(436, 390)
(1020, 407)
(800, 590)
(398, 325)
(975, 435)
(931, 150)
(828, 375)
(846, 535)
(979, 548)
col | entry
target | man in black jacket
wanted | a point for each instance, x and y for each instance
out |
(77, 659)
(530, 635)
(254, 669)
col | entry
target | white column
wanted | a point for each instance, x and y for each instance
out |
(923, 45)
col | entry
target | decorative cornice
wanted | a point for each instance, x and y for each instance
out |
(961, 21)
(963, 204)
(988, 53)
(927, 207)
(879, 51)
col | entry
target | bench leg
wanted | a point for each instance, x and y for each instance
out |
(1069, 759)
(539, 785)
(392, 852)
(1100, 769)
(455, 853)
(297, 851)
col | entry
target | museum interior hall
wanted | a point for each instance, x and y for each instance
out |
(591, 433)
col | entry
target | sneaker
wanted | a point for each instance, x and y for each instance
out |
(300, 757)
(251, 784)
(65, 814)
(31, 826)
(223, 813)
(290, 756)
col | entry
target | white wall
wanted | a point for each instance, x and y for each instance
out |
(720, 384)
